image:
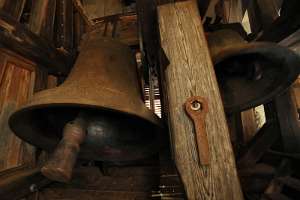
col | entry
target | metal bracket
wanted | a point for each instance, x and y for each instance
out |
(196, 108)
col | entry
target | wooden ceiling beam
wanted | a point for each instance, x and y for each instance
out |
(16, 37)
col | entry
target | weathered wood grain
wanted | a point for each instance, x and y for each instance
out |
(191, 73)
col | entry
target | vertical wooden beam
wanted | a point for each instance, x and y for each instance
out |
(42, 17)
(249, 124)
(78, 28)
(146, 11)
(191, 73)
(2, 3)
(97, 9)
(254, 17)
(65, 33)
(14, 8)
(289, 123)
(233, 11)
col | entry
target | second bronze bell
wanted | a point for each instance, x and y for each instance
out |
(250, 74)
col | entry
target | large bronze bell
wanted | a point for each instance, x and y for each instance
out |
(98, 108)
(250, 74)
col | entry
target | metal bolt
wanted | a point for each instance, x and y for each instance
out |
(33, 188)
(196, 105)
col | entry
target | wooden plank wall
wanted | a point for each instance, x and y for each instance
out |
(16, 86)
(20, 77)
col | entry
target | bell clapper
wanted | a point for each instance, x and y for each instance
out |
(60, 165)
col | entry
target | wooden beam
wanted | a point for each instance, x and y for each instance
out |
(249, 124)
(292, 42)
(260, 144)
(289, 123)
(203, 6)
(78, 28)
(96, 9)
(269, 12)
(191, 73)
(120, 27)
(147, 24)
(233, 11)
(64, 25)
(286, 24)
(16, 37)
(42, 17)
(79, 7)
(2, 2)
(14, 8)
(254, 17)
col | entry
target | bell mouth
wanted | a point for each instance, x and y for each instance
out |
(253, 74)
(111, 135)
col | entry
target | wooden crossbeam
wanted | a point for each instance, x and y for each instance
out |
(16, 37)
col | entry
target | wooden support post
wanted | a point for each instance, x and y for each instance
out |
(79, 7)
(42, 16)
(250, 126)
(191, 73)
(288, 121)
(79, 27)
(65, 31)
(14, 8)
(233, 11)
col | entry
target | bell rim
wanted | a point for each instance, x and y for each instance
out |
(48, 144)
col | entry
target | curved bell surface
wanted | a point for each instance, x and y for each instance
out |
(250, 74)
(103, 83)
